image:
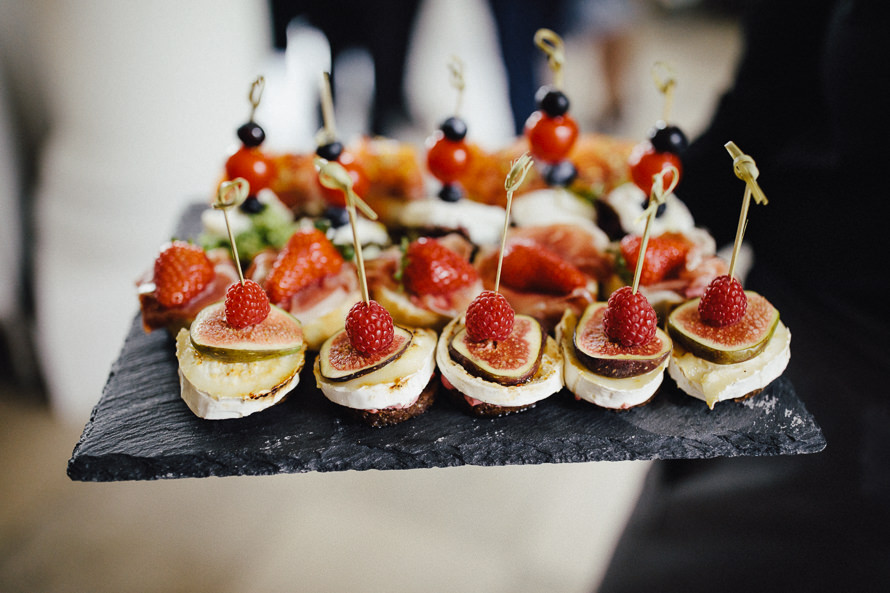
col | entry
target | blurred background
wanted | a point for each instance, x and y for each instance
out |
(116, 115)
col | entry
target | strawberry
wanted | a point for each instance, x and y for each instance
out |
(629, 318)
(307, 257)
(724, 302)
(432, 268)
(181, 272)
(664, 255)
(369, 327)
(246, 304)
(533, 268)
(489, 317)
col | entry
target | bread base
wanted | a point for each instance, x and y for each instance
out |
(391, 416)
(483, 409)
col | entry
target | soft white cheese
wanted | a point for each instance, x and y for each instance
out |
(553, 206)
(482, 223)
(397, 384)
(204, 405)
(628, 201)
(712, 382)
(217, 390)
(369, 232)
(546, 382)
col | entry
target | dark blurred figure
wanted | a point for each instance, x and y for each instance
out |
(516, 22)
(809, 104)
(383, 27)
(602, 24)
(604, 27)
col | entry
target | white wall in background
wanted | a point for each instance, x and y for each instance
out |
(142, 103)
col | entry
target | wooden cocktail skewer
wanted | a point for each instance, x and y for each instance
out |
(231, 194)
(514, 179)
(256, 93)
(746, 170)
(656, 198)
(333, 175)
(554, 48)
(665, 79)
(328, 132)
(456, 70)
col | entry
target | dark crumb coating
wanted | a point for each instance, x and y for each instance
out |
(483, 409)
(390, 416)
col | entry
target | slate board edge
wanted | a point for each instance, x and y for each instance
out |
(113, 468)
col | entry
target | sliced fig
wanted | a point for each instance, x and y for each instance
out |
(278, 334)
(738, 342)
(604, 357)
(339, 361)
(507, 362)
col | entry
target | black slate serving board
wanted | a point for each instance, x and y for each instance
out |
(142, 430)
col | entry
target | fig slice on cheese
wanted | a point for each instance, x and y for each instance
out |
(279, 334)
(339, 361)
(507, 362)
(606, 358)
(738, 342)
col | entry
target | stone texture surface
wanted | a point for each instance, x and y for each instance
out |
(141, 429)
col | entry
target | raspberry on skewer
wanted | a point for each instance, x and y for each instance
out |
(731, 342)
(493, 361)
(486, 308)
(246, 302)
(241, 355)
(380, 372)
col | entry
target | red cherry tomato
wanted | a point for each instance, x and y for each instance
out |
(446, 159)
(551, 138)
(646, 162)
(360, 183)
(252, 165)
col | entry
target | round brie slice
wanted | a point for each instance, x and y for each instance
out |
(553, 206)
(219, 390)
(396, 384)
(606, 392)
(712, 382)
(544, 383)
(481, 222)
(629, 201)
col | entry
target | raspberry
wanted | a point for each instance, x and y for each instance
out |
(181, 272)
(246, 304)
(664, 254)
(533, 268)
(307, 257)
(369, 327)
(489, 317)
(629, 318)
(432, 268)
(724, 302)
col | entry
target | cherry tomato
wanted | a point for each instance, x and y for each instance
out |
(360, 183)
(646, 162)
(252, 165)
(446, 159)
(551, 138)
